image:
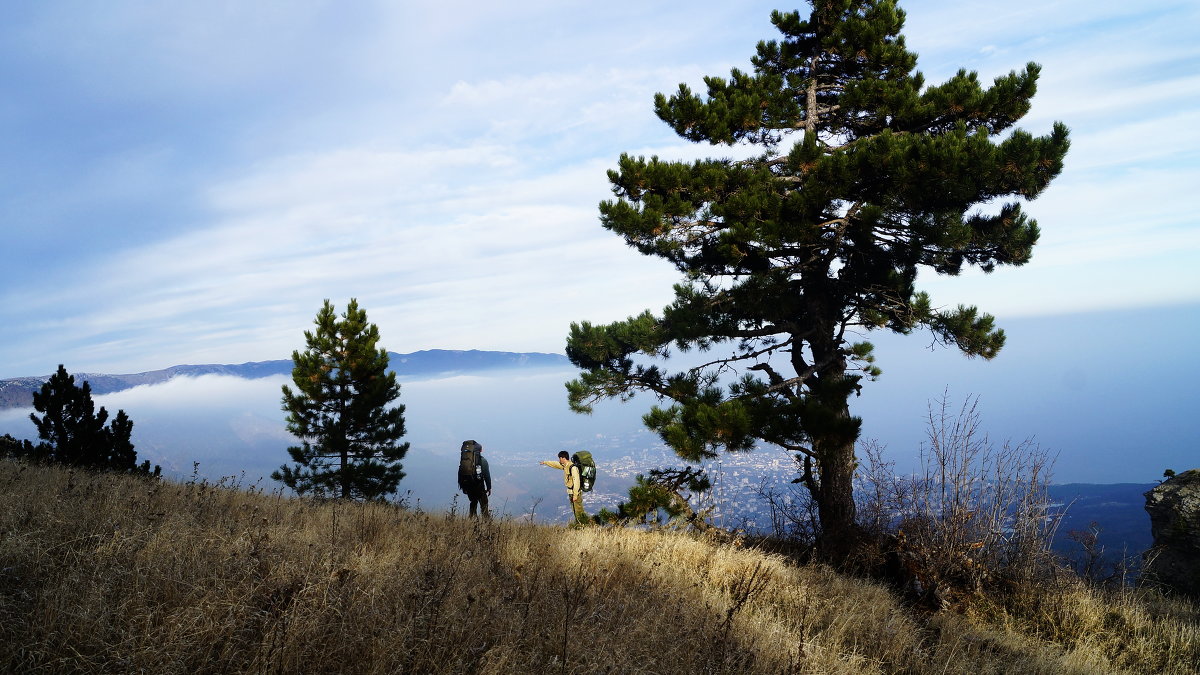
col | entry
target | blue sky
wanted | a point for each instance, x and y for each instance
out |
(185, 182)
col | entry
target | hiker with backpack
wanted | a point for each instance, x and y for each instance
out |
(474, 478)
(579, 473)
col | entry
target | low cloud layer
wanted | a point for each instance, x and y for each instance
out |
(232, 426)
(1091, 389)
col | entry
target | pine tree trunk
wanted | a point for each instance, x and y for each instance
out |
(343, 444)
(833, 433)
(835, 499)
(345, 474)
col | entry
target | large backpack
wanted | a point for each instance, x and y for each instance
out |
(470, 469)
(587, 469)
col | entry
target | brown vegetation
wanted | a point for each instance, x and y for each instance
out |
(108, 573)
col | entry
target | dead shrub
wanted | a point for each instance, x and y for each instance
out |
(972, 518)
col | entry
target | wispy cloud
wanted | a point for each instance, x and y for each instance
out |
(224, 171)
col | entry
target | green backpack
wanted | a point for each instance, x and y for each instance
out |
(587, 469)
(470, 469)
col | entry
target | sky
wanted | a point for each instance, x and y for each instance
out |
(186, 182)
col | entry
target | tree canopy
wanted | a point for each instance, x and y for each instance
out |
(864, 175)
(340, 411)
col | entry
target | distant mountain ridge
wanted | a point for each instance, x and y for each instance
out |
(18, 392)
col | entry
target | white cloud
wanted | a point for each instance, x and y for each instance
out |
(502, 262)
(204, 392)
(444, 168)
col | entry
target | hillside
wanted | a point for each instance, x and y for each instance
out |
(104, 573)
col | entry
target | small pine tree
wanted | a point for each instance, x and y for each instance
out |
(340, 412)
(75, 433)
(11, 446)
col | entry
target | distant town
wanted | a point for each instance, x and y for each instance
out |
(742, 483)
(740, 480)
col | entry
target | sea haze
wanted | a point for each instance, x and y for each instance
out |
(1110, 395)
(220, 425)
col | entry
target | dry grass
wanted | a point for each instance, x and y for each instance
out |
(105, 573)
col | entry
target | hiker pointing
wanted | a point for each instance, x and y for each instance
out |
(574, 483)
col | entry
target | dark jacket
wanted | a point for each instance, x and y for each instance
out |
(487, 474)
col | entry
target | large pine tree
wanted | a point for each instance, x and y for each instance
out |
(865, 175)
(341, 412)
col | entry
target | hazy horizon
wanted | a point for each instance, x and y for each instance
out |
(1094, 389)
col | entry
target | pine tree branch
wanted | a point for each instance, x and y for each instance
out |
(747, 355)
(794, 447)
(778, 383)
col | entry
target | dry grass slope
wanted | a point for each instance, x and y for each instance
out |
(105, 573)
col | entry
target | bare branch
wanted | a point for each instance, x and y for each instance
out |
(750, 355)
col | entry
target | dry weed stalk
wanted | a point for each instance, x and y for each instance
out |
(974, 519)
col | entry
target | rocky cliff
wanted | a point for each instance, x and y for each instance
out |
(1174, 508)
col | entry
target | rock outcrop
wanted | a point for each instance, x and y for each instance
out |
(1174, 508)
